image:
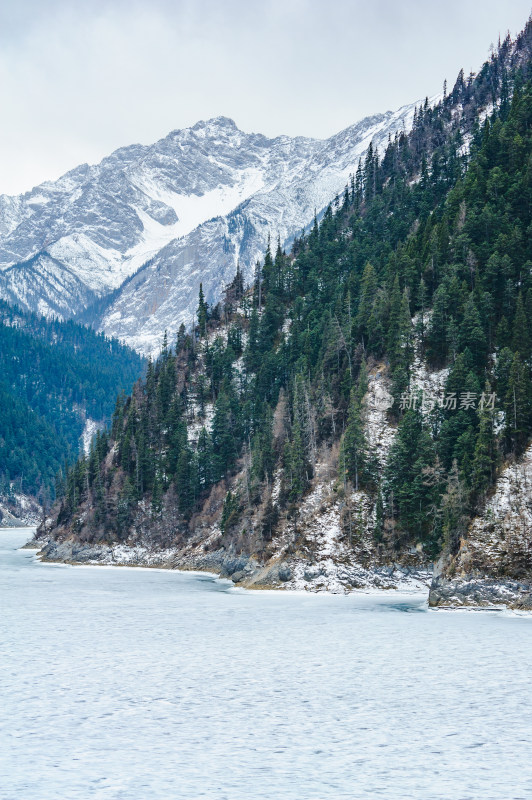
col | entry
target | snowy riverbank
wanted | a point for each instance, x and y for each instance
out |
(291, 574)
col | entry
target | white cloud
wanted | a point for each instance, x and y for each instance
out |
(78, 80)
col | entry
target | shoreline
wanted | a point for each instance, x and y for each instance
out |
(257, 578)
(244, 571)
(368, 592)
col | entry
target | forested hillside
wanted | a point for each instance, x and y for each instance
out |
(53, 375)
(425, 259)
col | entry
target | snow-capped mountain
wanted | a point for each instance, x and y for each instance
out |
(149, 223)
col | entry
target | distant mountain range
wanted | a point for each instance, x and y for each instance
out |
(125, 243)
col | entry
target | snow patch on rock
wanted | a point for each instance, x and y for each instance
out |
(89, 432)
(379, 431)
(503, 533)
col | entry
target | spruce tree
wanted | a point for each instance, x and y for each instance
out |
(184, 482)
(368, 289)
(518, 405)
(485, 455)
(521, 333)
(354, 455)
(202, 313)
(408, 475)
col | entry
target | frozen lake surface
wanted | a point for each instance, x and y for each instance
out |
(134, 684)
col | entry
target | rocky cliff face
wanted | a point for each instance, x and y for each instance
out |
(493, 565)
(16, 509)
(172, 214)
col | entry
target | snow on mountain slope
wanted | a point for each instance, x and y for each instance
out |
(154, 221)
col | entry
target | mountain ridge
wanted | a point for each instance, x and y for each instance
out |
(210, 193)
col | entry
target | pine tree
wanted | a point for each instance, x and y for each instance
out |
(471, 333)
(377, 325)
(437, 332)
(184, 482)
(517, 406)
(204, 459)
(354, 455)
(368, 289)
(296, 467)
(409, 478)
(157, 494)
(422, 301)
(181, 338)
(393, 342)
(125, 507)
(268, 272)
(521, 334)
(251, 353)
(262, 452)
(230, 512)
(269, 519)
(454, 511)
(378, 528)
(202, 313)
(224, 435)
(484, 459)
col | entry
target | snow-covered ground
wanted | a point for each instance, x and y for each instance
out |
(380, 433)
(127, 683)
(89, 431)
(329, 546)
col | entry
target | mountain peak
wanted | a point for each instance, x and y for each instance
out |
(157, 205)
(215, 124)
(222, 122)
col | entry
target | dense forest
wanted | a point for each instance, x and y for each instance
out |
(52, 376)
(426, 253)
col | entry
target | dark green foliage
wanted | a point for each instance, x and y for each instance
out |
(184, 480)
(262, 454)
(485, 456)
(425, 232)
(225, 432)
(203, 313)
(355, 458)
(518, 405)
(230, 512)
(413, 477)
(49, 372)
(269, 520)
(454, 507)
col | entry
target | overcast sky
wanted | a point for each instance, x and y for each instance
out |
(79, 79)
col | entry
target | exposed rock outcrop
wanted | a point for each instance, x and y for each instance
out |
(19, 510)
(493, 565)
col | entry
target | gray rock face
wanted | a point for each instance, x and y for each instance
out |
(493, 566)
(17, 510)
(238, 576)
(480, 592)
(77, 553)
(285, 573)
(311, 573)
(151, 222)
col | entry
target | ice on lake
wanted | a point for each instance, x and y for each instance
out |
(131, 684)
